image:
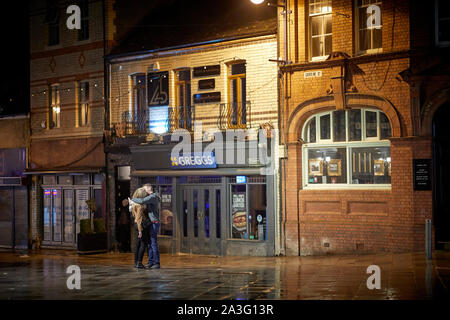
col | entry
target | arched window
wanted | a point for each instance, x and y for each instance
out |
(348, 147)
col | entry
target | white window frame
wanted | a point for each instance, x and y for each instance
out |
(436, 29)
(357, 30)
(323, 34)
(349, 145)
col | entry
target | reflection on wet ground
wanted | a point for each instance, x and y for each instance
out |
(110, 276)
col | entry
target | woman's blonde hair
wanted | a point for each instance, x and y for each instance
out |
(138, 209)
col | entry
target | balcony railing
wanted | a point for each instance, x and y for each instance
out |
(181, 117)
(235, 115)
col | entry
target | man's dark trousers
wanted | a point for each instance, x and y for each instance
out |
(153, 249)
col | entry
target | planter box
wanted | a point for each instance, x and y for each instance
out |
(92, 243)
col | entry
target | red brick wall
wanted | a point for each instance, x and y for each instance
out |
(355, 220)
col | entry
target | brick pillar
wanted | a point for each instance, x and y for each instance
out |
(291, 183)
(402, 214)
(36, 209)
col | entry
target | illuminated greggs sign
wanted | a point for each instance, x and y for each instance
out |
(195, 160)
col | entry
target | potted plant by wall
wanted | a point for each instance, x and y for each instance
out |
(92, 237)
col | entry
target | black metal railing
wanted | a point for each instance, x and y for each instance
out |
(235, 115)
(181, 117)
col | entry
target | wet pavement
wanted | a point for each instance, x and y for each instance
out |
(42, 275)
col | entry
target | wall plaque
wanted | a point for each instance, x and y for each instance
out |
(207, 97)
(422, 174)
(213, 70)
(206, 84)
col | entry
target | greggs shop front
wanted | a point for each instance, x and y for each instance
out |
(208, 207)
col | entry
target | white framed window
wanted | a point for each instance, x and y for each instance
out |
(320, 29)
(83, 103)
(369, 26)
(347, 148)
(54, 107)
(442, 20)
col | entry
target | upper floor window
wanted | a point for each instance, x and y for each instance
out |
(54, 107)
(158, 101)
(52, 19)
(139, 102)
(237, 96)
(183, 109)
(442, 19)
(83, 103)
(347, 147)
(83, 33)
(320, 14)
(369, 25)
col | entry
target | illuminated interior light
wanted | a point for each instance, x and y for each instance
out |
(257, 1)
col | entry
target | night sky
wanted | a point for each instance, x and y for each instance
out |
(14, 91)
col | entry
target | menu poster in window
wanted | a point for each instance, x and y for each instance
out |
(166, 210)
(82, 207)
(239, 212)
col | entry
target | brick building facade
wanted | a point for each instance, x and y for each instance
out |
(67, 117)
(208, 82)
(351, 129)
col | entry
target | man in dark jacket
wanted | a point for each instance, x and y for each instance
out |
(152, 202)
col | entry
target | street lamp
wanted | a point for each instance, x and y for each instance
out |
(285, 13)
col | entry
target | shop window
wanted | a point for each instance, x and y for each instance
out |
(163, 186)
(82, 179)
(183, 116)
(83, 33)
(237, 96)
(442, 20)
(83, 103)
(369, 34)
(320, 28)
(248, 214)
(357, 151)
(49, 180)
(54, 107)
(65, 180)
(98, 179)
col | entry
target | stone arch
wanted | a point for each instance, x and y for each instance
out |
(326, 103)
(429, 108)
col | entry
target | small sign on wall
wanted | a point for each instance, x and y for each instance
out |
(312, 74)
(422, 174)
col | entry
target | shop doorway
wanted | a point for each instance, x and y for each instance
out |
(441, 165)
(200, 219)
